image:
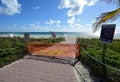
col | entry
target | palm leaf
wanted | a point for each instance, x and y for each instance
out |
(112, 1)
(106, 17)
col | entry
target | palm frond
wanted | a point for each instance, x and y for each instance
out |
(112, 1)
(105, 17)
(108, 1)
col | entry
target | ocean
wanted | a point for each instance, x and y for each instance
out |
(48, 34)
(42, 34)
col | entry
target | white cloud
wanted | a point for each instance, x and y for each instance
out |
(58, 22)
(79, 28)
(75, 7)
(92, 2)
(78, 20)
(71, 20)
(34, 27)
(35, 8)
(64, 4)
(11, 7)
(84, 29)
(51, 22)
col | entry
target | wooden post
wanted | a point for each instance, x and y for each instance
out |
(27, 38)
(103, 59)
(54, 38)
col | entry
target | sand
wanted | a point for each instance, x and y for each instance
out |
(81, 72)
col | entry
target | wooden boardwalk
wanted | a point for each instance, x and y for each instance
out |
(37, 70)
(31, 70)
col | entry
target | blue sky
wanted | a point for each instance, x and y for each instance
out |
(52, 15)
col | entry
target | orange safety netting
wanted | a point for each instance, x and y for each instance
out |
(54, 49)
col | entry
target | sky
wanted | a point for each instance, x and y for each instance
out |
(52, 15)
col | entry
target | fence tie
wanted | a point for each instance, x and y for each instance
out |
(100, 61)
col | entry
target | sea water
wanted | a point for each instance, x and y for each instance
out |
(48, 34)
(42, 34)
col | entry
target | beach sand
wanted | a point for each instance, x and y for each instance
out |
(69, 39)
(80, 71)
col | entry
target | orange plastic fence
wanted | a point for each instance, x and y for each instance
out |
(54, 49)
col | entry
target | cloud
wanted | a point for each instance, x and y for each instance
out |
(84, 29)
(37, 27)
(34, 26)
(92, 2)
(58, 27)
(10, 7)
(74, 22)
(75, 7)
(51, 22)
(71, 20)
(58, 22)
(35, 8)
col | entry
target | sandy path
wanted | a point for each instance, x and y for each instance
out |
(80, 71)
(69, 40)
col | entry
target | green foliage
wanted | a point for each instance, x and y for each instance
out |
(95, 47)
(48, 40)
(11, 55)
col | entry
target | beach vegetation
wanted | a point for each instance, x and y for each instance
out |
(14, 48)
(107, 16)
(112, 57)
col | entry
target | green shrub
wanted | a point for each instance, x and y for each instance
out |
(11, 55)
(95, 47)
